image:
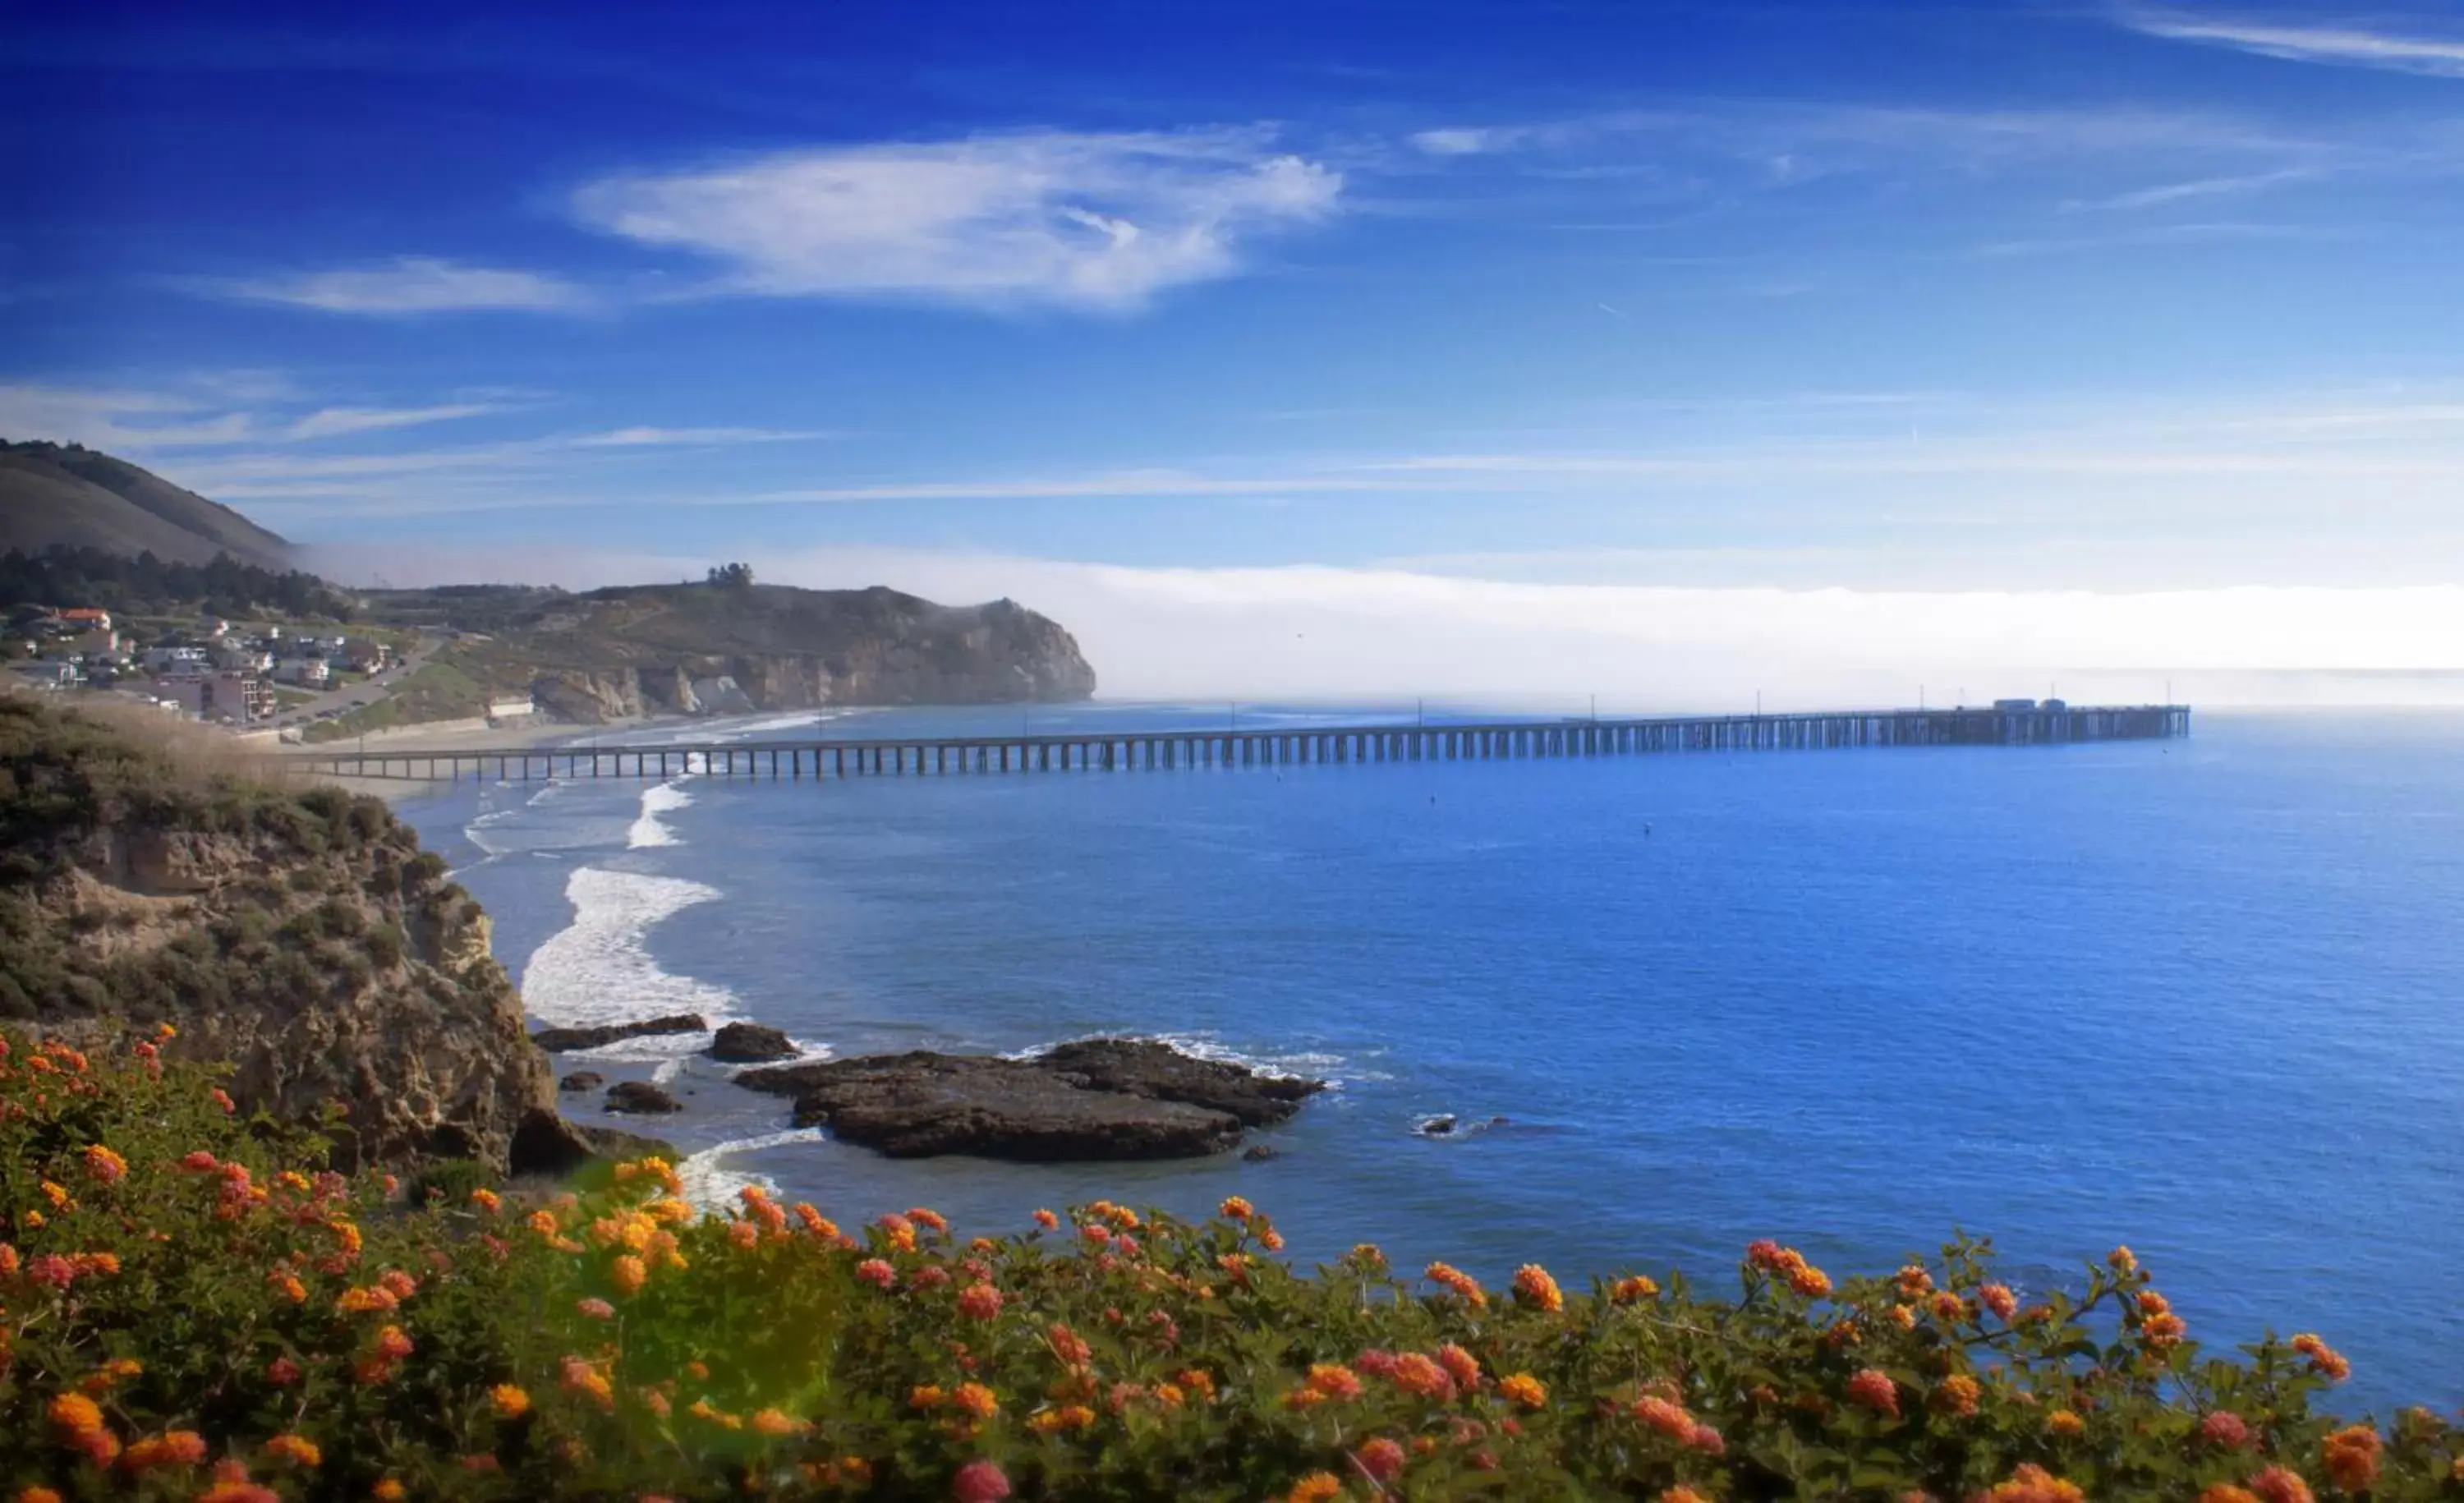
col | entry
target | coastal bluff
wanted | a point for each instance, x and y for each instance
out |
(151, 876)
(704, 649)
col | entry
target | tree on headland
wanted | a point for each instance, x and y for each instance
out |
(733, 576)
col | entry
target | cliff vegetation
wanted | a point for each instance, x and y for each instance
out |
(195, 1307)
(153, 872)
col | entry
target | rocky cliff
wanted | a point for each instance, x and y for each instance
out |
(716, 650)
(302, 934)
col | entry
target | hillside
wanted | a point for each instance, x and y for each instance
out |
(67, 496)
(150, 874)
(714, 648)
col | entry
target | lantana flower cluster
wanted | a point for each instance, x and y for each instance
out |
(197, 1306)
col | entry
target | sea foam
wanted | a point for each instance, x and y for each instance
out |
(709, 1184)
(665, 798)
(598, 969)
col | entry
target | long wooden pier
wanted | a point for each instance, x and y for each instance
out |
(1120, 751)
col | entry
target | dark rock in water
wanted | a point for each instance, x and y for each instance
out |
(557, 1041)
(750, 1043)
(640, 1096)
(1260, 1153)
(1104, 1100)
(1438, 1126)
(1159, 1071)
(546, 1143)
(582, 1080)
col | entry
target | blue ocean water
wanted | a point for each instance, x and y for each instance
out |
(2204, 997)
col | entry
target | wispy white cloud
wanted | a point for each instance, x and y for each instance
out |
(2209, 232)
(2339, 45)
(413, 284)
(334, 422)
(105, 418)
(646, 437)
(1099, 222)
(2195, 190)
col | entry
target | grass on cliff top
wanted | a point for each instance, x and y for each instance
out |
(437, 691)
(66, 772)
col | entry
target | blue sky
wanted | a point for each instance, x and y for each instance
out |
(1884, 298)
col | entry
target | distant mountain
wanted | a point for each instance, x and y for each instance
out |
(64, 495)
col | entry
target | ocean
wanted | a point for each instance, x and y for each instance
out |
(2202, 997)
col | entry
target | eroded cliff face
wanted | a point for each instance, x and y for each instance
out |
(310, 943)
(643, 655)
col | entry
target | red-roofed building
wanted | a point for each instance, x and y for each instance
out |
(86, 618)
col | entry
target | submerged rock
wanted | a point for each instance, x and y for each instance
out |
(557, 1041)
(582, 1080)
(640, 1096)
(1104, 1099)
(751, 1043)
(1260, 1153)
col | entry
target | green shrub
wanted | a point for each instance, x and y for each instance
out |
(180, 1287)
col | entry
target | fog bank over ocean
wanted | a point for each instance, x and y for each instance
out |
(1312, 630)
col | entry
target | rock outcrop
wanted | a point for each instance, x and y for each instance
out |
(642, 1097)
(1104, 1099)
(559, 1041)
(751, 1043)
(302, 937)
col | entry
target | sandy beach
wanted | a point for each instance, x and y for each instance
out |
(417, 739)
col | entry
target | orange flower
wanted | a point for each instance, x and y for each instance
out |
(509, 1401)
(1663, 1415)
(977, 1399)
(2323, 1356)
(1533, 1287)
(75, 1414)
(37, 1494)
(2034, 1484)
(389, 1490)
(774, 1422)
(1047, 1220)
(1459, 1282)
(1333, 1380)
(103, 1166)
(979, 1301)
(1682, 1496)
(930, 1219)
(1524, 1389)
(1459, 1365)
(1315, 1488)
(2280, 1484)
(393, 1345)
(1235, 1208)
(1998, 1298)
(1957, 1394)
(172, 1449)
(628, 1273)
(486, 1200)
(2353, 1457)
(297, 1449)
(1633, 1288)
(2227, 1492)
(1872, 1388)
(2065, 1424)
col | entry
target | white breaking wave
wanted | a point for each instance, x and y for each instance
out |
(598, 969)
(710, 1185)
(665, 798)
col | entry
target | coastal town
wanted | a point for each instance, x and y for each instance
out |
(243, 676)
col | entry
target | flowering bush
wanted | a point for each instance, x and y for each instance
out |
(192, 1307)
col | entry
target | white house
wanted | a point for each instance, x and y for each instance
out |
(307, 672)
